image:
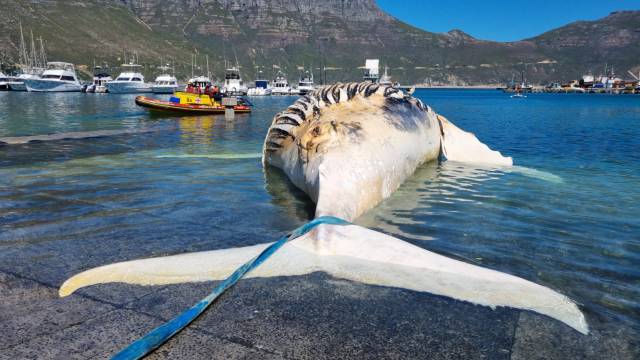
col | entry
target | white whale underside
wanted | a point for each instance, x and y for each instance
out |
(348, 157)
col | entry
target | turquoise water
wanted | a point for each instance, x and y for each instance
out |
(568, 216)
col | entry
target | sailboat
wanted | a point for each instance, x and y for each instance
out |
(32, 63)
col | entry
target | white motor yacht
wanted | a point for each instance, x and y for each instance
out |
(58, 77)
(280, 85)
(130, 80)
(233, 84)
(305, 84)
(165, 84)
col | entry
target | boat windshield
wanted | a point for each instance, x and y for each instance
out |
(57, 77)
(232, 76)
(68, 78)
(122, 78)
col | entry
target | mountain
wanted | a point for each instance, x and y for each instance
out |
(335, 34)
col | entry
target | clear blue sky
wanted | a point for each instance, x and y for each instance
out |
(500, 20)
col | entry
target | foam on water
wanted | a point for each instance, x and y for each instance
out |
(212, 156)
(15, 140)
(536, 174)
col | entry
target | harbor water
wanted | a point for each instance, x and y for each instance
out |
(125, 184)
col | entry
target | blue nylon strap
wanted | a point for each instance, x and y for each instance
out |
(164, 332)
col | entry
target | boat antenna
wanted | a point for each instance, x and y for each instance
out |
(208, 73)
(23, 48)
(236, 56)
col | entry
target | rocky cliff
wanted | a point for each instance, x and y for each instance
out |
(333, 34)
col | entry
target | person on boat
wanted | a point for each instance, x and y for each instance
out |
(216, 94)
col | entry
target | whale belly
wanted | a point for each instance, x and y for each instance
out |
(364, 169)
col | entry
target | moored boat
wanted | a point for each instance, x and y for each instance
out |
(371, 70)
(305, 83)
(17, 83)
(129, 81)
(32, 63)
(233, 83)
(100, 80)
(261, 88)
(165, 83)
(198, 97)
(280, 85)
(58, 77)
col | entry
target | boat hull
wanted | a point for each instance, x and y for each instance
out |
(304, 90)
(168, 106)
(17, 86)
(163, 89)
(127, 87)
(44, 85)
(281, 92)
(259, 92)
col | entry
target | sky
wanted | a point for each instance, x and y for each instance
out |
(500, 20)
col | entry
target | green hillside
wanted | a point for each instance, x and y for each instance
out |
(333, 34)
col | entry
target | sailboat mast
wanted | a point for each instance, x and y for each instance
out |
(23, 49)
(34, 58)
(43, 54)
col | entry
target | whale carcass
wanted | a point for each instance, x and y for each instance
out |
(350, 146)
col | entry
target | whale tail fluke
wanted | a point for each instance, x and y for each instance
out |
(354, 253)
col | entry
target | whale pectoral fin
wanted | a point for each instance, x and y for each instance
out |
(359, 254)
(459, 145)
